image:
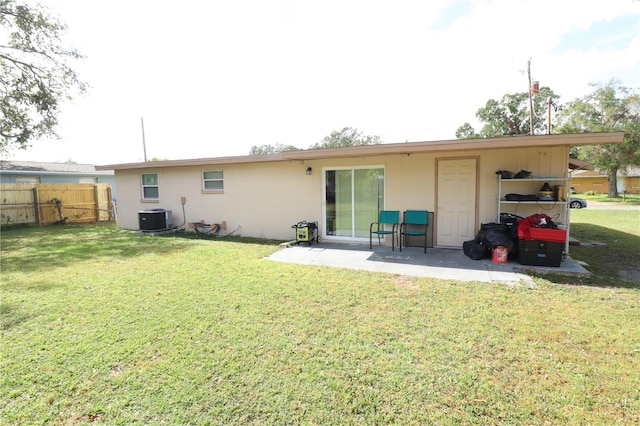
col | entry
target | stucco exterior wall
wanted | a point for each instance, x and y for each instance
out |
(598, 184)
(263, 200)
(540, 161)
(593, 181)
(632, 184)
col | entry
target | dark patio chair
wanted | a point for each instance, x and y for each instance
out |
(414, 223)
(385, 218)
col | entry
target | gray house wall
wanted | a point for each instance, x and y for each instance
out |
(38, 172)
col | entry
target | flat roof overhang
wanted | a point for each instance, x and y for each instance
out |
(48, 173)
(506, 142)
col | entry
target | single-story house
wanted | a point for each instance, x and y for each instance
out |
(593, 180)
(343, 189)
(41, 172)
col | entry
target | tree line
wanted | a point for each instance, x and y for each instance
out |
(610, 107)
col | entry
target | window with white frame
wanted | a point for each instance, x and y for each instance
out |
(150, 186)
(213, 181)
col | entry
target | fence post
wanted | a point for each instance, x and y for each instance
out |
(110, 207)
(96, 197)
(36, 204)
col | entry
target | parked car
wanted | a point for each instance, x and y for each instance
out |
(577, 203)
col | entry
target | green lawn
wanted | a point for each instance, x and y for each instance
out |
(628, 199)
(102, 326)
(610, 245)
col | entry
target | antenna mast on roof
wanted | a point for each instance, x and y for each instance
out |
(144, 145)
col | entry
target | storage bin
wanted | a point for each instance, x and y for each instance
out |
(548, 234)
(540, 253)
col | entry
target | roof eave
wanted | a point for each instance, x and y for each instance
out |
(105, 172)
(393, 149)
(194, 162)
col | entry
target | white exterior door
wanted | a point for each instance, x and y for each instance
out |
(456, 210)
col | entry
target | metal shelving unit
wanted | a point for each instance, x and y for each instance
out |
(532, 186)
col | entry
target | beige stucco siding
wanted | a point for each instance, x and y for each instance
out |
(590, 183)
(264, 199)
(632, 184)
(541, 161)
(410, 182)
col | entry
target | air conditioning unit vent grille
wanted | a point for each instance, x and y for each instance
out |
(155, 220)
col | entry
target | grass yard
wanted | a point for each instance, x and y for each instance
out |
(628, 199)
(610, 245)
(100, 326)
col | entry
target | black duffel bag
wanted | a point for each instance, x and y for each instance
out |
(495, 234)
(475, 249)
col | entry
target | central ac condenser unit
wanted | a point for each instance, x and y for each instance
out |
(155, 220)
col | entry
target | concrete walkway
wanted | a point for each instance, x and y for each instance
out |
(441, 263)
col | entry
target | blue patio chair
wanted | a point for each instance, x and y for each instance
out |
(385, 218)
(414, 223)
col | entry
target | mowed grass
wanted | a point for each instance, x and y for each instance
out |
(101, 326)
(610, 245)
(622, 199)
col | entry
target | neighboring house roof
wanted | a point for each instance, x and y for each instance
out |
(630, 171)
(37, 168)
(575, 164)
(392, 148)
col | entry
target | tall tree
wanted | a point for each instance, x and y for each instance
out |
(348, 136)
(611, 107)
(271, 149)
(510, 116)
(35, 75)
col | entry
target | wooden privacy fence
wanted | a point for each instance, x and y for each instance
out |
(48, 203)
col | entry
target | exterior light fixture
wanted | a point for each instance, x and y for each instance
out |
(309, 170)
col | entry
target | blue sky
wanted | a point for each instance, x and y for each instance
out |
(212, 78)
(613, 34)
(451, 11)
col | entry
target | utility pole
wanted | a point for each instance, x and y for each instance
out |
(549, 102)
(530, 98)
(144, 145)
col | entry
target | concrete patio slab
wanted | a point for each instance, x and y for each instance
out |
(440, 263)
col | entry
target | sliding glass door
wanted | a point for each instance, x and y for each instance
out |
(353, 197)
